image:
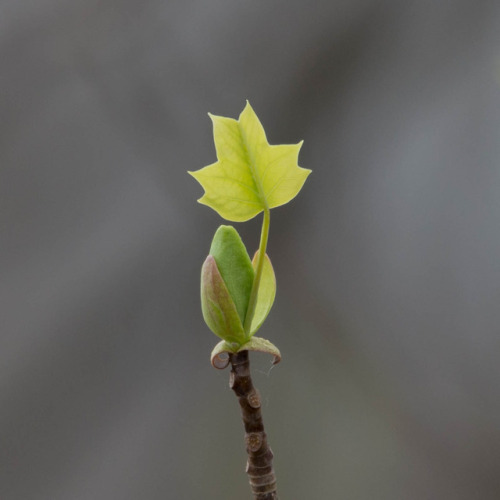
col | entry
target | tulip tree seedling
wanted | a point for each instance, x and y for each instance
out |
(237, 293)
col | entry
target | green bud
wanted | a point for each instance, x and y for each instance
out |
(226, 283)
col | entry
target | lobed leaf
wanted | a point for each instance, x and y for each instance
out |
(250, 174)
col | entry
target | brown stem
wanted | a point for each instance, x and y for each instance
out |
(260, 457)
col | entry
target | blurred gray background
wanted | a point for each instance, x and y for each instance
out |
(388, 268)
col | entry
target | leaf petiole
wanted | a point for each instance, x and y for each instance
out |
(258, 271)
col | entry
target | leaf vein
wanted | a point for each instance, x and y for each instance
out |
(232, 179)
(234, 198)
(272, 162)
(276, 185)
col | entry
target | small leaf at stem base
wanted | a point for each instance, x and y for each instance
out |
(220, 354)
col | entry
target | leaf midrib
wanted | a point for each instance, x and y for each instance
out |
(253, 168)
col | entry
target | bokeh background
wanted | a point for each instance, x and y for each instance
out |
(388, 268)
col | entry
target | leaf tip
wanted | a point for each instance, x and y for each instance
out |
(247, 110)
(203, 201)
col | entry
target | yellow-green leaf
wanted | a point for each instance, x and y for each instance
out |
(250, 174)
(266, 294)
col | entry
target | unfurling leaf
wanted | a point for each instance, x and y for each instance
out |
(267, 292)
(250, 175)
